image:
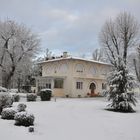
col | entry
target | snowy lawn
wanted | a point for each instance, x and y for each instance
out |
(74, 119)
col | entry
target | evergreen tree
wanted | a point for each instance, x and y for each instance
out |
(121, 89)
(117, 37)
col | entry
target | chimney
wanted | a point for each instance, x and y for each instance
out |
(65, 54)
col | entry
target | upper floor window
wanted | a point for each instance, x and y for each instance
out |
(93, 70)
(79, 68)
(49, 69)
(104, 71)
(63, 68)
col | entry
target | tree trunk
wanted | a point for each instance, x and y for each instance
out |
(9, 77)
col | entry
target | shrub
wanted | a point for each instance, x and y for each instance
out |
(5, 100)
(31, 97)
(79, 96)
(8, 113)
(31, 129)
(21, 107)
(45, 95)
(67, 96)
(24, 119)
(16, 97)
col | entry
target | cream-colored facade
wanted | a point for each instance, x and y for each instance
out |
(73, 77)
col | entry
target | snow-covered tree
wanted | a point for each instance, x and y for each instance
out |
(17, 44)
(117, 37)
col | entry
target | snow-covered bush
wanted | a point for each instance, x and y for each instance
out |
(31, 129)
(23, 118)
(45, 95)
(21, 107)
(8, 113)
(5, 100)
(31, 97)
(16, 97)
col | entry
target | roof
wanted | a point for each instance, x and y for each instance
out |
(73, 58)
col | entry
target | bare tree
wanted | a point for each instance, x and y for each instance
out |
(137, 63)
(48, 54)
(117, 37)
(16, 44)
(99, 55)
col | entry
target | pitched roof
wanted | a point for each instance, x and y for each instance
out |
(73, 58)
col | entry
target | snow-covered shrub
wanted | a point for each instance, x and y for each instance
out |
(5, 100)
(16, 97)
(21, 107)
(31, 97)
(8, 113)
(45, 95)
(31, 129)
(23, 118)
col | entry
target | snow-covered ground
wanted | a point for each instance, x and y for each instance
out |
(74, 119)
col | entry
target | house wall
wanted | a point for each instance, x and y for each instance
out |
(88, 77)
(73, 71)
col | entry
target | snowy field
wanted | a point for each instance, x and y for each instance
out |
(74, 119)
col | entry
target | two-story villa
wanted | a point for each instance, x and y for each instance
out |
(73, 77)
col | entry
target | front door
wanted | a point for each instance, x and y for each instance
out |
(92, 88)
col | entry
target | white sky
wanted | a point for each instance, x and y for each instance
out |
(67, 25)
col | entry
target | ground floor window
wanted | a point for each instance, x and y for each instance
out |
(48, 85)
(58, 83)
(104, 86)
(79, 85)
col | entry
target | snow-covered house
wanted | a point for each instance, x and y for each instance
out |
(72, 76)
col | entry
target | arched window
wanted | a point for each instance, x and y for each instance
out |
(49, 69)
(63, 68)
(79, 68)
(93, 70)
(104, 71)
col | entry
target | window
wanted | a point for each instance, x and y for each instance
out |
(64, 68)
(79, 68)
(48, 85)
(93, 70)
(49, 69)
(104, 86)
(104, 71)
(79, 85)
(58, 83)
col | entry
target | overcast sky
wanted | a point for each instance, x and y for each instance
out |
(67, 25)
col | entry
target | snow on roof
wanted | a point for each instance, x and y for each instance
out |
(45, 89)
(73, 58)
